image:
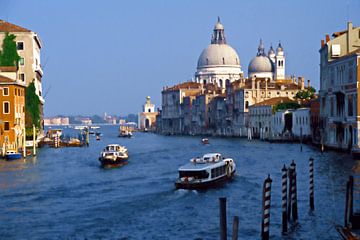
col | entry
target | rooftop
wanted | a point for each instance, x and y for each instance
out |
(9, 27)
(273, 101)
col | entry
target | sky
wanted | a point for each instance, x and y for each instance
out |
(107, 56)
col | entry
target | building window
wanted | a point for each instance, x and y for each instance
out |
(6, 107)
(22, 77)
(22, 62)
(20, 45)
(6, 126)
(5, 91)
(247, 104)
(223, 60)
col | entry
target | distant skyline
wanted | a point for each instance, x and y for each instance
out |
(107, 56)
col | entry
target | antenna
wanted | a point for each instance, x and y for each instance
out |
(347, 10)
(47, 91)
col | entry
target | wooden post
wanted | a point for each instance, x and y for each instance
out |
(34, 140)
(223, 232)
(351, 197)
(284, 200)
(347, 209)
(266, 209)
(235, 228)
(24, 143)
(293, 192)
(301, 148)
(311, 187)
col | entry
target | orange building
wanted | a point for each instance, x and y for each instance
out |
(12, 113)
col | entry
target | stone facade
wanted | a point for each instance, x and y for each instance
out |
(339, 90)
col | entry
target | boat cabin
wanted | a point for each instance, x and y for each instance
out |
(113, 148)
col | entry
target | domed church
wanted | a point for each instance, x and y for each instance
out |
(271, 66)
(219, 63)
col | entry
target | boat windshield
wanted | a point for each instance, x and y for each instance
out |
(194, 174)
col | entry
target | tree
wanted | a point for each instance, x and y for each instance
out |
(308, 93)
(32, 106)
(9, 55)
(286, 105)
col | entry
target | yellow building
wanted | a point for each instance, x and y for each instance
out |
(12, 113)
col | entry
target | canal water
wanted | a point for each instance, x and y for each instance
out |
(64, 194)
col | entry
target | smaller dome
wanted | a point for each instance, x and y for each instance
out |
(279, 48)
(260, 64)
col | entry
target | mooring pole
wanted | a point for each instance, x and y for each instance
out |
(24, 143)
(223, 234)
(265, 231)
(289, 197)
(284, 199)
(351, 196)
(311, 187)
(235, 228)
(347, 209)
(293, 192)
(34, 140)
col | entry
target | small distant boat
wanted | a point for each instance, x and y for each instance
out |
(205, 141)
(94, 127)
(114, 155)
(12, 155)
(211, 170)
(97, 137)
(127, 134)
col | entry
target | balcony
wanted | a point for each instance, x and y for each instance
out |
(39, 70)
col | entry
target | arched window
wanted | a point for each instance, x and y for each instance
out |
(204, 81)
(223, 60)
(227, 82)
(221, 83)
(247, 104)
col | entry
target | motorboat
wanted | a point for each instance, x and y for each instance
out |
(210, 170)
(12, 155)
(125, 133)
(114, 155)
(205, 141)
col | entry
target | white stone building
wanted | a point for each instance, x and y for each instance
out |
(301, 123)
(147, 118)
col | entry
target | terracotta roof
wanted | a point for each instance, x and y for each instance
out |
(273, 101)
(8, 68)
(4, 79)
(9, 27)
(184, 85)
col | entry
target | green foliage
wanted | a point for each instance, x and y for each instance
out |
(308, 93)
(32, 106)
(9, 55)
(286, 105)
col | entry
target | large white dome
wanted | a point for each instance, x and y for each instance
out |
(218, 55)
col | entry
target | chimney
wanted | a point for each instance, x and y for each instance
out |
(322, 43)
(327, 37)
(308, 83)
(349, 26)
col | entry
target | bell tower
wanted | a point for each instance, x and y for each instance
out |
(280, 63)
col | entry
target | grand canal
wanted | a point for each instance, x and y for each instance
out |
(64, 194)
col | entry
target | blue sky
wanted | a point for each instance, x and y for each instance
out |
(107, 56)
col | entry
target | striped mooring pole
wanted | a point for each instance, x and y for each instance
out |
(266, 209)
(284, 199)
(289, 202)
(294, 209)
(311, 187)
